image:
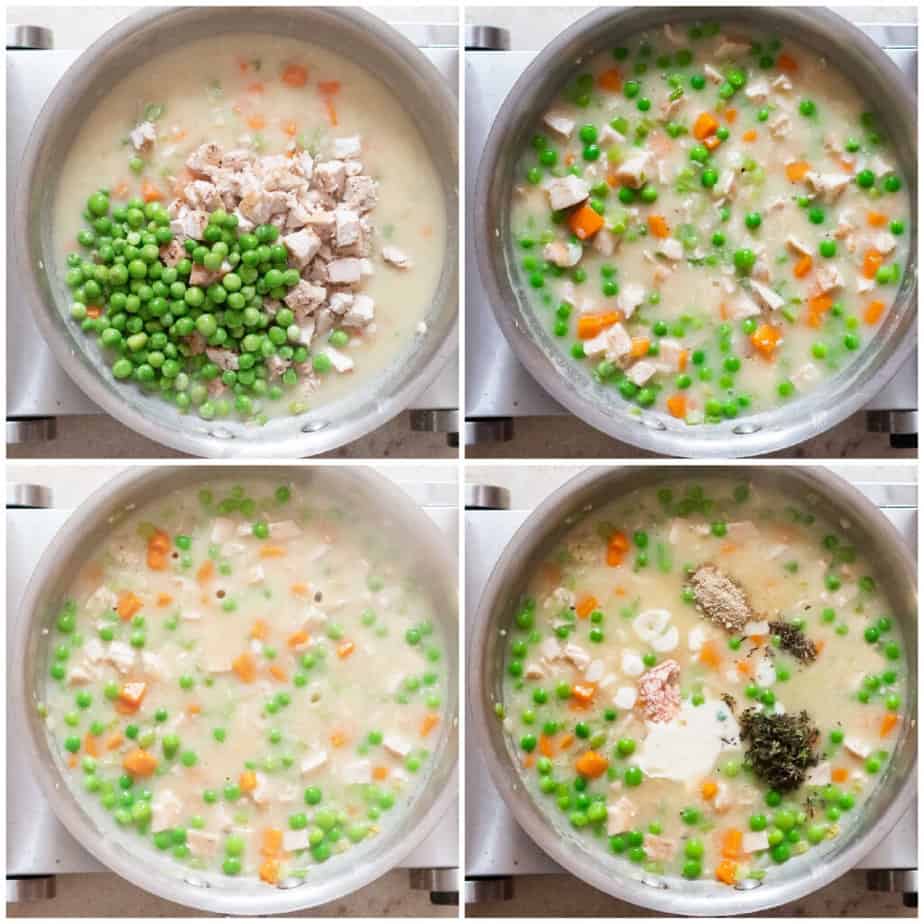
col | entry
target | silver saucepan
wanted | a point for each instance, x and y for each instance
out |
(829, 497)
(875, 78)
(426, 550)
(356, 35)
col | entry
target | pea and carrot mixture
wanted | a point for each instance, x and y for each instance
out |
(248, 678)
(262, 237)
(710, 222)
(703, 680)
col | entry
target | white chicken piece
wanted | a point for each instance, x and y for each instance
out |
(559, 122)
(619, 816)
(614, 343)
(829, 187)
(771, 299)
(641, 372)
(631, 296)
(670, 248)
(635, 170)
(566, 191)
(563, 253)
(742, 307)
(828, 279)
(625, 697)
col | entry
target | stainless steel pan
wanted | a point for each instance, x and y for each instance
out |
(352, 33)
(876, 79)
(829, 497)
(126, 855)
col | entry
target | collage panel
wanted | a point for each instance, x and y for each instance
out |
(251, 245)
(236, 672)
(692, 690)
(692, 236)
(231, 692)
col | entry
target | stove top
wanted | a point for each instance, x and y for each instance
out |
(37, 387)
(38, 845)
(495, 845)
(497, 387)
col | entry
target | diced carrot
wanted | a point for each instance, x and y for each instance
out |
(731, 116)
(821, 303)
(787, 63)
(705, 125)
(709, 655)
(206, 571)
(727, 872)
(731, 844)
(289, 128)
(345, 649)
(744, 668)
(874, 311)
(616, 547)
(269, 871)
(584, 692)
(338, 738)
(149, 192)
(429, 722)
(876, 219)
(677, 406)
(294, 75)
(591, 764)
(797, 169)
(566, 741)
(245, 667)
(128, 604)
(164, 599)
(297, 638)
(91, 744)
(658, 226)
(273, 551)
(819, 646)
(247, 781)
(94, 311)
(749, 135)
(889, 721)
(380, 773)
(139, 762)
(72, 761)
(299, 590)
(765, 339)
(585, 222)
(278, 673)
(546, 746)
(840, 775)
(193, 709)
(329, 87)
(259, 629)
(256, 122)
(712, 142)
(586, 604)
(331, 108)
(272, 842)
(528, 761)
(709, 788)
(178, 134)
(683, 357)
(590, 325)
(872, 260)
(640, 347)
(131, 696)
(610, 80)
(802, 267)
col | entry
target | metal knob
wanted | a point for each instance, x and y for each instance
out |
(27, 496)
(488, 889)
(442, 884)
(895, 880)
(30, 888)
(29, 38)
(486, 38)
(31, 430)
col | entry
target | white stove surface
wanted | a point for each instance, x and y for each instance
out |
(37, 843)
(496, 385)
(495, 845)
(36, 385)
